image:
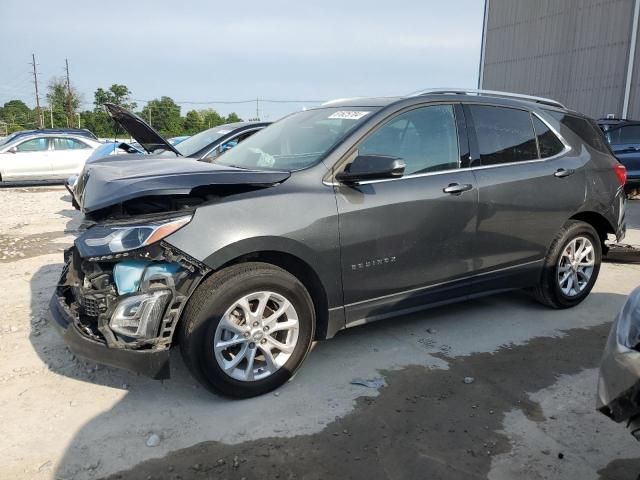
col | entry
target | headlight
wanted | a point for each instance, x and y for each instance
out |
(106, 239)
(139, 316)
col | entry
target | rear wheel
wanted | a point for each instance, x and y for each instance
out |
(247, 329)
(571, 266)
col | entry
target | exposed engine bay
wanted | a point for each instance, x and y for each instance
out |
(129, 300)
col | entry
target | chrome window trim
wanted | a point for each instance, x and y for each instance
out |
(567, 149)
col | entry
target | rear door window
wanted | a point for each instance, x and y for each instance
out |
(548, 143)
(68, 144)
(505, 135)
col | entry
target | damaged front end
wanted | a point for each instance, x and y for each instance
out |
(122, 291)
(619, 382)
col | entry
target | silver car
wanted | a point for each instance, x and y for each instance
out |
(44, 156)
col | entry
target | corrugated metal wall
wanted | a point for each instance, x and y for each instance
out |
(574, 51)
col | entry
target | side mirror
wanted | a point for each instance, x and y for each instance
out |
(371, 167)
(13, 150)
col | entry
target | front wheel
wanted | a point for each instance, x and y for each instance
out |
(571, 266)
(247, 329)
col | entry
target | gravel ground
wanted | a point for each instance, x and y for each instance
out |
(495, 388)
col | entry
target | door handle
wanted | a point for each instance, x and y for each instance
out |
(561, 172)
(456, 188)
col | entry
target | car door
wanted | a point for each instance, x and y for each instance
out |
(26, 160)
(625, 143)
(529, 183)
(68, 156)
(406, 242)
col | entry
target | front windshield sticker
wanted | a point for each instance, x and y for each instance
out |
(348, 114)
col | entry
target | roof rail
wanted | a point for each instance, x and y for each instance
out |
(491, 93)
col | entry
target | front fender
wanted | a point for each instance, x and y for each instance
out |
(301, 222)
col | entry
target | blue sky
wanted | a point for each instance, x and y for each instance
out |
(201, 51)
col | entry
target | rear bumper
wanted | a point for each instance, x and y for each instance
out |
(151, 363)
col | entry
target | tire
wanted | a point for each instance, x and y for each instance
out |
(549, 291)
(214, 311)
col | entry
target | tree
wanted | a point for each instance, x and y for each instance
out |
(211, 118)
(116, 93)
(192, 123)
(64, 105)
(232, 118)
(17, 115)
(164, 115)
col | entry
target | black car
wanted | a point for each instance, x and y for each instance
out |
(624, 138)
(204, 146)
(355, 211)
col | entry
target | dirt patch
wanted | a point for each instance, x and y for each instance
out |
(424, 424)
(17, 247)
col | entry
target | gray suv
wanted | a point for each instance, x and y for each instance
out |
(358, 210)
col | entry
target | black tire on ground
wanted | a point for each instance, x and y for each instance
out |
(548, 291)
(211, 300)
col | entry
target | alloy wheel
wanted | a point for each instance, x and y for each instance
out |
(256, 336)
(575, 266)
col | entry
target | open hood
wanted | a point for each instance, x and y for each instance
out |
(143, 133)
(110, 183)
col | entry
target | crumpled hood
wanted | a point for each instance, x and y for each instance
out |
(112, 182)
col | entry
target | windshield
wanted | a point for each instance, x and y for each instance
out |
(194, 144)
(6, 140)
(297, 141)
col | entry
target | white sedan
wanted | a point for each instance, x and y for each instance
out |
(44, 156)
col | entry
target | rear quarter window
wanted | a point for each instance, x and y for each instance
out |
(586, 129)
(549, 144)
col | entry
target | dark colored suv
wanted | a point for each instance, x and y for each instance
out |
(355, 211)
(624, 138)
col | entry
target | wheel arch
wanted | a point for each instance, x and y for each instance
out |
(312, 269)
(597, 221)
(303, 272)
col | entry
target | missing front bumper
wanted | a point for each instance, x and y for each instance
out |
(151, 363)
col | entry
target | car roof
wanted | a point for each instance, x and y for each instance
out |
(452, 95)
(77, 131)
(40, 133)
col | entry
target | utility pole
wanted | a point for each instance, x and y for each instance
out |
(257, 109)
(149, 106)
(69, 106)
(35, 82)
(51, 114)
